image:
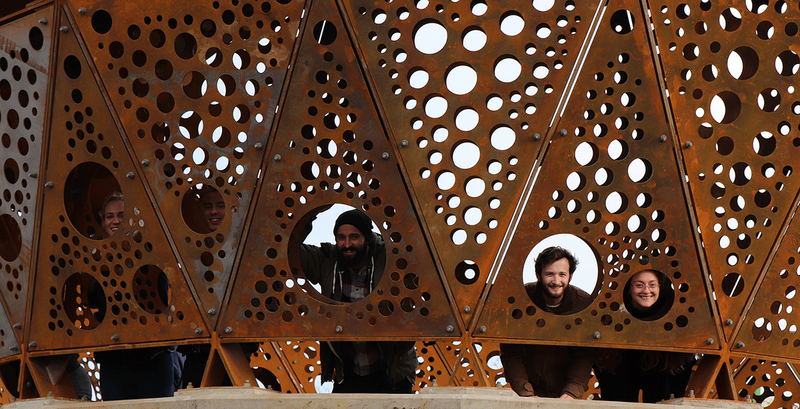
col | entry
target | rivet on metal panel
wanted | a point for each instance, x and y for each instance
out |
(662, 138)
(537, 136)
(130, 175)
(82, 10)
(14, 348)
(63, 29)
(596, 335)
(467, 309)
(198, 330)
(29, 384)
(482, 329)
(688, 144)
(17, 326)
(563, 132)
(740, 344)
(228, 330)
(259, 146)
(404, 143)
(338, 329)
(145, 162)
(32, 344)
(48, 184)
(34, 175)
(49, 394)
(385, 155)
(710, 341)
(450, 328)
(115, 337)
(729, 322)
(246, 383)
(463, 379)
(212, 311)
(691, 393)
(43, 21)
(276, 158)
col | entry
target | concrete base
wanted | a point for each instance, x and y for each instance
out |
(430, 398)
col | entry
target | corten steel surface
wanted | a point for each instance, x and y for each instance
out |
(589, 187)
(743, 129)
(431, 116)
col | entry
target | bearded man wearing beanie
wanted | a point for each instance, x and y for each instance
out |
(348, 271)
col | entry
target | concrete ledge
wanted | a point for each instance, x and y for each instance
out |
(430, 398)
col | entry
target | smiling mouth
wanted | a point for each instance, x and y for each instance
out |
(215, 221)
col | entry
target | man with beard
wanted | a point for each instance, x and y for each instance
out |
(549, 370)
(348, 271)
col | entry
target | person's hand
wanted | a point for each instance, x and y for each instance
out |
(566, 396)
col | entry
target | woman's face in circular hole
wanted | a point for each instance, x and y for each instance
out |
(112, 216)
(644, 289)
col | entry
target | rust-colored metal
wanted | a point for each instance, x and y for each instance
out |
(677, 154)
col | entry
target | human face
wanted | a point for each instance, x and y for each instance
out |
(554, 280)
(112, 216)
(213, 209)
(351, 244)
(644, 289)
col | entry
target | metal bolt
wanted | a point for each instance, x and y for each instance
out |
(246, 383)
(48, 184)
(596, 335)
(32, 344)
(710, 341)
(467, 309)
(198, 330)
(12, 399)
(691, 393)
(662, 138)
(211, 311)
(449, 328)
(63, 29)
(259, 146)
(34, 175)
(276, 158)
(17, 326)
(537, 136)
(385, 155)
(740, 344)
(463, 379)
(14, 348)
(49, 394)
(82, 10)
(29, 384)
(130, 175)
(729, 322)
(482, 329)
(338, 329)
(43, 21)
(145, 162)
(688, 144)
(294, 362)
(563, 132)
(228, 330)
(404, 143)
(115, 337)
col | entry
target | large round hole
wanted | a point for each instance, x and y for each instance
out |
(10, 238)
(84, 301)
(151, 289)
(586, 278)
(86, 190)
(648, 295)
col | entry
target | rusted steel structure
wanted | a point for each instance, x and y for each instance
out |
(660, 132)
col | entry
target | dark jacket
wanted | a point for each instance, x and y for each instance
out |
(400, 358)
(550, 370)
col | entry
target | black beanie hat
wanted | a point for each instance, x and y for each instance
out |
(358, 219)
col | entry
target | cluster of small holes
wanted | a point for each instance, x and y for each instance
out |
(768, 383)
(470, 179)
(304, 358)
(743, 172)
(430, 367)
(22, 90)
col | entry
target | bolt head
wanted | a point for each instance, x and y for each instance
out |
(385, 155)
(563, 132)
(198, 330)
(259, 146)
(228, 330)
(729, 322)
(130, 175)
(482, 329)
(662, 138)
(48, 185)
(596, 335)
(710, 341)
(740, 344)
(115, 337)
(63, 29)
(450, 328)
(467, 309)
(688, 144)
(537, 136)
(276, 158)
(82, 10)
(404, 143)
(32, 344)
(211, 311)
(145, 162)
(338, 329)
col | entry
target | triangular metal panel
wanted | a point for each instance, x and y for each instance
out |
(195, 86)
(87, 161)
(729, 67)
(463, 117)
(331, 148)
(589, 187)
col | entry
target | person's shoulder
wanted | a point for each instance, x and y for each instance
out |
(578, 293)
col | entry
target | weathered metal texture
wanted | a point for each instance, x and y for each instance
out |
(331, 148)
(770, 327)
(300, 369)
(87, 161)
(769, 383)
(433, 367)
(195, 86)
(612, 180)
(25, 45)
(463, 118)
(741, 122)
